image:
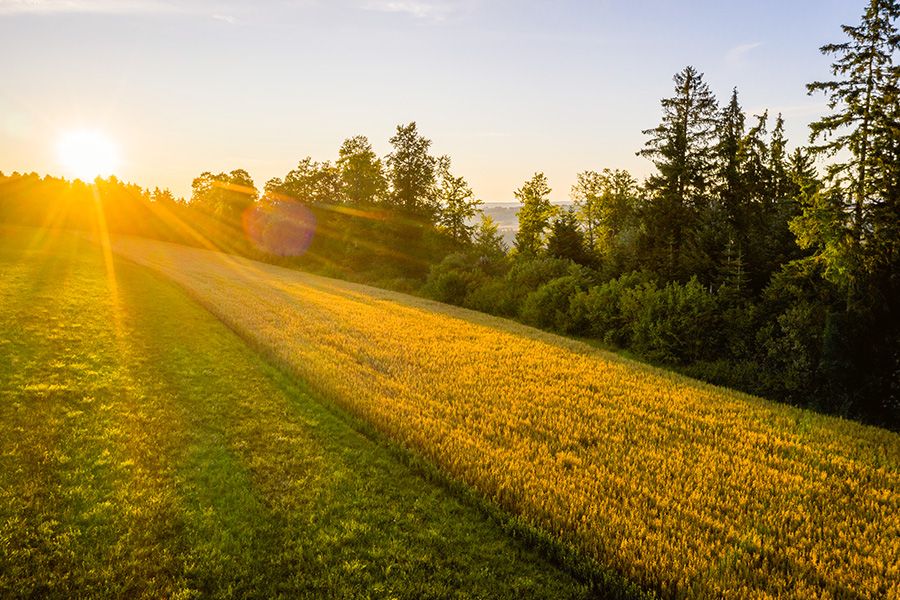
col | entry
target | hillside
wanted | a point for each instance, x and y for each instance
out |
(685, 488)
(146, 451)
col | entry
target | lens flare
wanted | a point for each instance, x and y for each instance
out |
(283, 228)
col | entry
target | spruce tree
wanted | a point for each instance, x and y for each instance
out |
(858, 135)
(682, 149)
(566, 239)
(851, 223)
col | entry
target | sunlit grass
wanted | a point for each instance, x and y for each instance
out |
(157, 455)
(688, 489)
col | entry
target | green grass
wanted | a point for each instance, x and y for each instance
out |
(146, 450)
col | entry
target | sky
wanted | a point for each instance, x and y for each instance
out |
(506, 88)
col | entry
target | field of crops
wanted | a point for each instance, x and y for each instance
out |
(687, 489)
(147, 452)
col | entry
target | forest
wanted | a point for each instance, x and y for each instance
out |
(746, 259)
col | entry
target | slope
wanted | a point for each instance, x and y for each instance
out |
(146, 451)
(685, 488)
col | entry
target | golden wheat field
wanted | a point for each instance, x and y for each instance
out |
(687, 489)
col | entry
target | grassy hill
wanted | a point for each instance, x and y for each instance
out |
(147, 451)
(688, 489)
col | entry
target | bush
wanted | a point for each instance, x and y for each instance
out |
(677, 323)
(597, 312)
(529, 273)
(493, 296)
(451, 279)
(504, 296)
(548, 307)
(793, 350)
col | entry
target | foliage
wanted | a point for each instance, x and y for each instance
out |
(225, 195)
(310, 183)
(452, 279)
(488, 244)
(676, 323)
(412, 172)
(606, 205)
(566, 240)
(549, 305)
(535, 214)
(456, 205)
(361, 172)
(597, 311)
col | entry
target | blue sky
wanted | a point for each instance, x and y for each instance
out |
(506, 88)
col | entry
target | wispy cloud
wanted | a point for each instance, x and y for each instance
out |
(231, 20)
(737, 54)
(435, 10)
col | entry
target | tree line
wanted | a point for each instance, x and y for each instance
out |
(736, 261)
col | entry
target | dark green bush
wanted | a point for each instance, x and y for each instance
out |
(679, 323)
(596, 312)
(549, 305)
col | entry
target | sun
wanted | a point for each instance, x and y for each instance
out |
(87, 154)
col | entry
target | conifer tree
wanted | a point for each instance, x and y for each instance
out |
(487, 240)
(851, 223)
(728, 152)
(682, 149)
(860, 134)
(566, 239)
(778, 161)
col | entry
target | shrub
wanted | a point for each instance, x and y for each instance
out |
(677, 323)
(548, 307)
(451, 279)
(597, 313)
(493, 296)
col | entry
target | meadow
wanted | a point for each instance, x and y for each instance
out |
(687, 489)
(147, 451)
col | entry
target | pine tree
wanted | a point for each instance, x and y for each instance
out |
(862, 128)
(681, 148)
(566, 239)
